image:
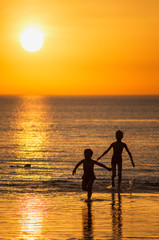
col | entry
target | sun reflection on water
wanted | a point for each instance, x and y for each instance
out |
(32, 217)
(68, 216)
(30, 121)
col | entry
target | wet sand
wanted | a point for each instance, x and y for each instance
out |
(30, 216)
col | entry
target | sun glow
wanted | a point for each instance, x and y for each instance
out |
(32, 38)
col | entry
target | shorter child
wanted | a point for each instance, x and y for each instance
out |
(118, 147)
(88, 168)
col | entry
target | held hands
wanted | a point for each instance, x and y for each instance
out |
(109, 169)
(98, 158)
(73, 172)
(132, 162)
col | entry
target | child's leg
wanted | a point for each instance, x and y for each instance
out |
(113, 174)
(119, 174)
(85, 184)
(90, 185)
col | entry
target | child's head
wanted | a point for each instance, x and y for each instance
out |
(119, 135)
(88, 153)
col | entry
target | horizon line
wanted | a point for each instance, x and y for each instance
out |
(80, 95)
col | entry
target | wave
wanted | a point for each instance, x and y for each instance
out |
(71, 185)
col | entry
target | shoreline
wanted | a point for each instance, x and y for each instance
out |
(66, 186)
(66, 216)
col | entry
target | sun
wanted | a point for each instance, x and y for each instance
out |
(32, 38)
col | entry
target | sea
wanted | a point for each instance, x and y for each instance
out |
(51, 133)
(42, 138)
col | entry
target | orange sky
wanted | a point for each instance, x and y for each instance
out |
(91, 47)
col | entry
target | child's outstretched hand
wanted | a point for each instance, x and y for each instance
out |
(98, 158)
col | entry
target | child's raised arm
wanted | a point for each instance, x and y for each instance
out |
(105, 152)
(77, 165)
(130, 155)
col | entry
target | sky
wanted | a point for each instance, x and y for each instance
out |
(91, 47)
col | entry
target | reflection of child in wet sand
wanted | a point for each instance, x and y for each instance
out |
(88, 168)
(118, 147)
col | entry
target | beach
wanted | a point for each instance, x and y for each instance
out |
(51, 216)
(79, 120)
(49, 134)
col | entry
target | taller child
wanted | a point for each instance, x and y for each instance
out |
(118, 147)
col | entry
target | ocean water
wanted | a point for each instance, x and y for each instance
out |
(45, 202)
(51, 133)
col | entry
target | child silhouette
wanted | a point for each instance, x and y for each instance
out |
(118, 147)
(88, 168)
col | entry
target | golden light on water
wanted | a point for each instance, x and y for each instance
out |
(29, 120)
(32, 217)
(59, 216)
